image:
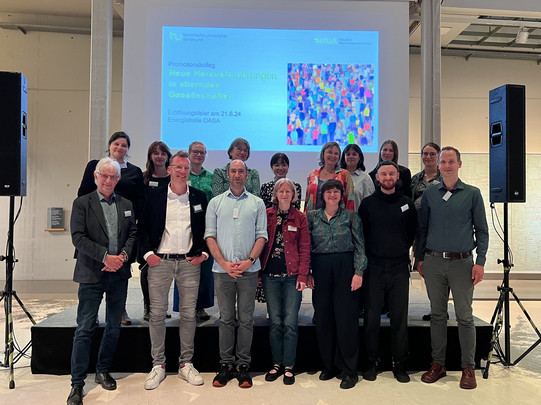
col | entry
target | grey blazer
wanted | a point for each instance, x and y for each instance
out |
(89, 236)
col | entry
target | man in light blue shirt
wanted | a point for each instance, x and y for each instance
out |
(236, 232)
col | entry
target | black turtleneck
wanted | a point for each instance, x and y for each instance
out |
(389, 225)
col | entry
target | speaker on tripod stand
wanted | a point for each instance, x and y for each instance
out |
(13, 141)
(507, 136)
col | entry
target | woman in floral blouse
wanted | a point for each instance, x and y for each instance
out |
(329, 159)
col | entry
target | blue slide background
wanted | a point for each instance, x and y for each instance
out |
(222, 83)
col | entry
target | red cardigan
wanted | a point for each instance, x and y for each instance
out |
(296, 242)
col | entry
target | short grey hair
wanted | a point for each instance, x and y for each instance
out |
(110, 163)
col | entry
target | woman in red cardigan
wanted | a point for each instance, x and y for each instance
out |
(285, 262)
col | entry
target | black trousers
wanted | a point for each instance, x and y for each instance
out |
(389, 280)
(337, 309)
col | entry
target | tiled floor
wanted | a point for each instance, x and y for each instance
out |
(519, 384)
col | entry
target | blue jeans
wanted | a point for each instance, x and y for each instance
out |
(283, 304)
(90, 295)
(186, 276)
(241, 291)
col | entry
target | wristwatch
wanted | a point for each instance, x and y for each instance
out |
(251, 259)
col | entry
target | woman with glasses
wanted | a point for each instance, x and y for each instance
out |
(130, 185)
(239, 149)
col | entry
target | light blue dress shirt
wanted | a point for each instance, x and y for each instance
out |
(236, 223)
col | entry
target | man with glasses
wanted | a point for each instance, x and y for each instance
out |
(236, 232)
(103, 232)
(171, 237)
(201, 179)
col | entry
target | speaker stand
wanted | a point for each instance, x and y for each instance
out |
(7, 295)
(501, 317)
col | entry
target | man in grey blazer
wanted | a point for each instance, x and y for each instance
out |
(103, 232)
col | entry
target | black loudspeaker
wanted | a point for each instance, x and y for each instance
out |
(507, 117)
(13, 134)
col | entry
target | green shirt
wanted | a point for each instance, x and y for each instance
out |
(342, 233)
(452, 221)
(202, 182)
(220, 181)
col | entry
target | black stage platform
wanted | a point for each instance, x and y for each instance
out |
(52, 340)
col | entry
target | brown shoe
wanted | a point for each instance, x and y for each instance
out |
(468, 379)
(435, 372)
(125, 318)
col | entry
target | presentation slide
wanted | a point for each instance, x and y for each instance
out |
(286, 75)
(287, 90)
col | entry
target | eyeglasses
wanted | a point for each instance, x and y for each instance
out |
(199, 152)
(429, 154)
(179, 168)
(107, 177)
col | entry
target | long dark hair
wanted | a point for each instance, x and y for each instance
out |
(356, 148)
(395, 150)
(150, 164)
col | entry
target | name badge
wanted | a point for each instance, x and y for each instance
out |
(235, 213)
(405, 207)
(447, 195)
(153, 183)
(127, 214)
(292, 228)
(197, 208)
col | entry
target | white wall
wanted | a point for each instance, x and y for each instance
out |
(464, 105)
(57, 68)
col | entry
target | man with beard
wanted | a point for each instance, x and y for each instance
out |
(389, 223)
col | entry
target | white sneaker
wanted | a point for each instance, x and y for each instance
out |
(155, 377)
(190, 374)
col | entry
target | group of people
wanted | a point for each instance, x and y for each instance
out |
(223, 232)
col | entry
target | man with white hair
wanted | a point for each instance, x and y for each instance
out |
(103, 232)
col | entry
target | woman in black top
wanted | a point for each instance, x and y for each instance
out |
(158, 156)
(389, 151)
(130, 185)
(280, 166)
(155, 176)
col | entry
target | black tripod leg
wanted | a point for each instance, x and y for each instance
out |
(496, 322)
(533, 326)
(9, 340)
(24, 308)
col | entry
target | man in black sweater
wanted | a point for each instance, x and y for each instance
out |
(389, 223)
